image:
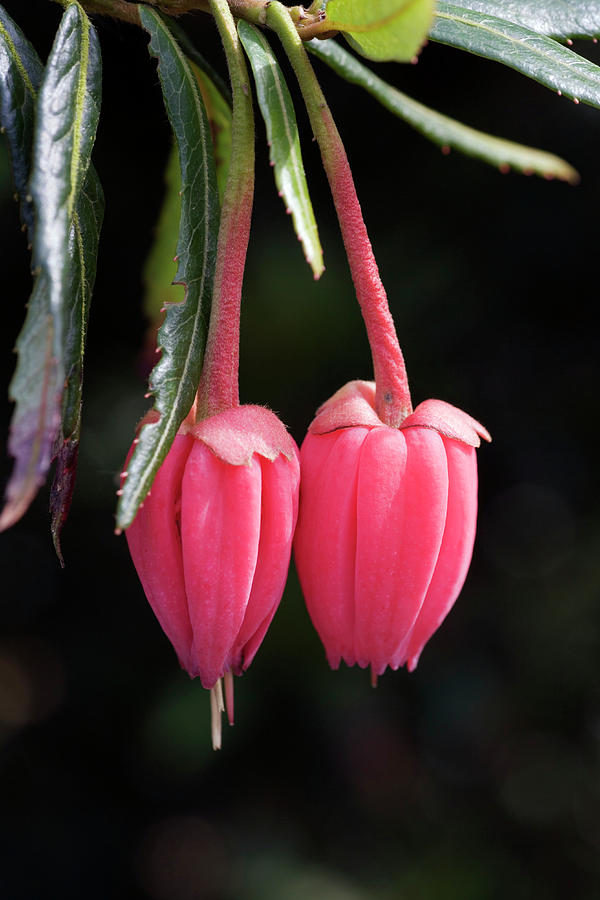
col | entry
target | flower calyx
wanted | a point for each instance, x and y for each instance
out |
(236, 434)
(354, 404)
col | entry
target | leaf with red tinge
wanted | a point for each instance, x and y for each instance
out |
(36, 389)
(61, 491)
(50, 346)
(83, 251)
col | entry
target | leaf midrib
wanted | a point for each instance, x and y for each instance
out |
(79, 110)
(17, 60)
(516, 41)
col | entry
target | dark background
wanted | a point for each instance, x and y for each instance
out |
(475, 777)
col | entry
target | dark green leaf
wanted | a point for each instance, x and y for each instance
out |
(382, 29)
(83, 251)
(535, 55)
(67, 114)
(174, 380)
(194, 55)
(557, 18)
(20, 76)
(284, 143)
(439, 128)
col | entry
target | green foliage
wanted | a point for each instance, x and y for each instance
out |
(218, 110)
(284, 143)
(65, 241)
(174, 380)
(382, 29)
(49, 117)
(533, 54)
(160, 270)
(200, 62)
(552, 17)
(161, 267)
(441, 129)
(83, 252)
(20, 76)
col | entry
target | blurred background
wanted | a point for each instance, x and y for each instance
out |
(478, 775)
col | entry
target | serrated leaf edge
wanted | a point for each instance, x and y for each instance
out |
(497, 32)
(124, 515)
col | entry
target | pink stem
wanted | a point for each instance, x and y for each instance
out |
(392, 398)
(218, 389)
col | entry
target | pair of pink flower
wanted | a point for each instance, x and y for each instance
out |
(383, 517)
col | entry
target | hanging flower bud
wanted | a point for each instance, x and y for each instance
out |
(386, 525)
(212, 541)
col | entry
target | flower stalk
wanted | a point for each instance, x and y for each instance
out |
(393, 403)
(309, 22)
(218, 389)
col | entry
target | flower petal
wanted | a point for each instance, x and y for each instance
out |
(456, 550)
(279, 512)
(325, 542)
(155, 547)
(220, 528)
(401, 510)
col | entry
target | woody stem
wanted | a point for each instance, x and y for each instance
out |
(392, 400)
(218, 389)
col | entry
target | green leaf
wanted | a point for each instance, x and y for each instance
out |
(174, 380)
(284, 143)
(67, 114)
(535, 55)
(439, 128)
(199, 61)
(161, 267)
(20, 77)
(555, 18)
(83, 252)
(382, 29)
(219, 116)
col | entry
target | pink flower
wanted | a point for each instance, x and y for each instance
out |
(212, 541)
(386, 525)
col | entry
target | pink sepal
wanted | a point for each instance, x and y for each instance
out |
(447, 420)
(236, 434)
(353, 404)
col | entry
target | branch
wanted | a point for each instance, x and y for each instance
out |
(309, 23)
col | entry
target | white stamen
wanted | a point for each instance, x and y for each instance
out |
(216, 708)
